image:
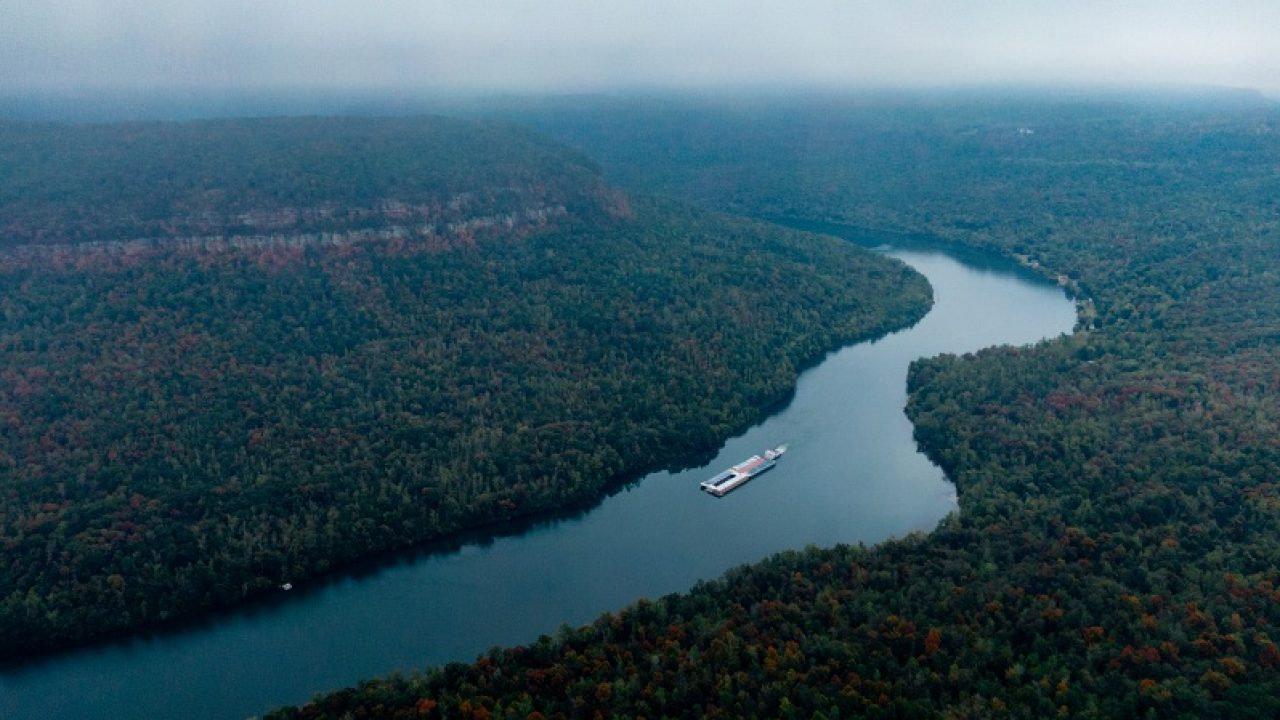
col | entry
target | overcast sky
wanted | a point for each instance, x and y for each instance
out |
(600, 44)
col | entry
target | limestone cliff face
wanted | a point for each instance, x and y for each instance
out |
(269, 182)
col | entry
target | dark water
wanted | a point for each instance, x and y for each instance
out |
(852, 475)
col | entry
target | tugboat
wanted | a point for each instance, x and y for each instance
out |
(721, 484)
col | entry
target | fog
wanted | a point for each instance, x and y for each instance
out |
(571, 45)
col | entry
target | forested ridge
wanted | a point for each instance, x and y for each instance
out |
(1117, 549)
(225, 402)
(67, 184)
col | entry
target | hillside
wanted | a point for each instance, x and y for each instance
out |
(240, 353)
(1116, 550)
(63, 184)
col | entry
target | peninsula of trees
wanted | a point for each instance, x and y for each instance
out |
(239, 353)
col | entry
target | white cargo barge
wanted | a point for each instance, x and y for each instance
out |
(743, 471)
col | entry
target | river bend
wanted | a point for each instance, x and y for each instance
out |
(853, 474)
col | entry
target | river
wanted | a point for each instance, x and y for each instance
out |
(853, 474)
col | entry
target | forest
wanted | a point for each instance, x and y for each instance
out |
(1117, 548)
(261, 350)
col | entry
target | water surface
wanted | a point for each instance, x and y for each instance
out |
(853, 474)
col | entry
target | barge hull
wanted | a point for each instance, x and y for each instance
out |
(739, 474)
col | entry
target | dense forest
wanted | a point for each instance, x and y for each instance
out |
(1117, 549)
(263, 349)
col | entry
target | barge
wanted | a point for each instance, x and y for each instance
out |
(721, 484)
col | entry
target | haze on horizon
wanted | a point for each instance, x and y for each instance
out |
(583, 45)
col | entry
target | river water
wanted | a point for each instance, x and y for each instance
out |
(853, 474)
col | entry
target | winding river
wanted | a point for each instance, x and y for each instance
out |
(853, 474)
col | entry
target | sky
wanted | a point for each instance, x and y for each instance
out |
(583, 45)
